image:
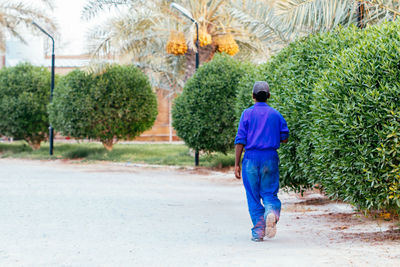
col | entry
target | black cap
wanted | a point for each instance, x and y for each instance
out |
(260, 87)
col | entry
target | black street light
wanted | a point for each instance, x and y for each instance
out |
(51, 130)
(187, 14)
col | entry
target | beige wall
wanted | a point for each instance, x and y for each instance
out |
(2, 60)
(161, 128)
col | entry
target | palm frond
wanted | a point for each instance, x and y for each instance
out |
(317, 15)
(14, 14)
(261, 21)
(380, 10)
(389, 6)
(20, 12)
(93, 7)
(128, 34)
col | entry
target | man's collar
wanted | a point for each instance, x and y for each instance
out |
(260, 104)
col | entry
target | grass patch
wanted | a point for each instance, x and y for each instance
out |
(222, 161)
(82, 152)
(158, 154)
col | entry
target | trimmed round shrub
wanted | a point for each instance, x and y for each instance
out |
(292, 75)
(204, 114)
(357, 122)
(24, 96)
(116, 104)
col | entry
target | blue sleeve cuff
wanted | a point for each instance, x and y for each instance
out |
(284, 136)
(240, 141)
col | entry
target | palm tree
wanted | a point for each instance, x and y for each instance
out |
(14, 14)
(142, 30)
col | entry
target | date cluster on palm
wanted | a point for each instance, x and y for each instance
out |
(226, 43)
(204, 37)
(177, 44)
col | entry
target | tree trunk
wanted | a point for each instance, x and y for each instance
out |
(206, 53)
(34, 144)
(108, 144)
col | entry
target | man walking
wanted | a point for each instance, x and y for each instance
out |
(261, 130)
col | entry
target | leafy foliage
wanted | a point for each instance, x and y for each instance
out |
(204, 114)
(357, 122)
(291, 75)
(339, 92)
(117, 104)
(72, 106)
(245, 86)
(24, 95)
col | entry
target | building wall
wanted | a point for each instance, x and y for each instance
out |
(2, 61)
(162, 128)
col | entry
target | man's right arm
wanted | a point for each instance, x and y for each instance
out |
(238, 155)
(240, 142)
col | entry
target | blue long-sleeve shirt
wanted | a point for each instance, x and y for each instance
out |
(261, 128)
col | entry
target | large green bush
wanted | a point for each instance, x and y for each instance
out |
(292, 75)
(24, 96)
(204, 114)
(117, 104)
(357, 122)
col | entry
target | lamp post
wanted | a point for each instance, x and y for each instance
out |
(188, 15)
(51, 130)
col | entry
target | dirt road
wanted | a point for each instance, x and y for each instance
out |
(65, 214)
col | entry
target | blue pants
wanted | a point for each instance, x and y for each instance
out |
(261, 181)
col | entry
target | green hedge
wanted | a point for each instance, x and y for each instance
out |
(24, 96)
(116, 104)
(204, 114)
(340, 94)
(292, 75)
(357, 122)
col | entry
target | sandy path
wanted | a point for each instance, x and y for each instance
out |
(63, 214)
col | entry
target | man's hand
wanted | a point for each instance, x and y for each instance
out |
(238, 174)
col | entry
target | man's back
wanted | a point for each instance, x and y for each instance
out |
(261, 128)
